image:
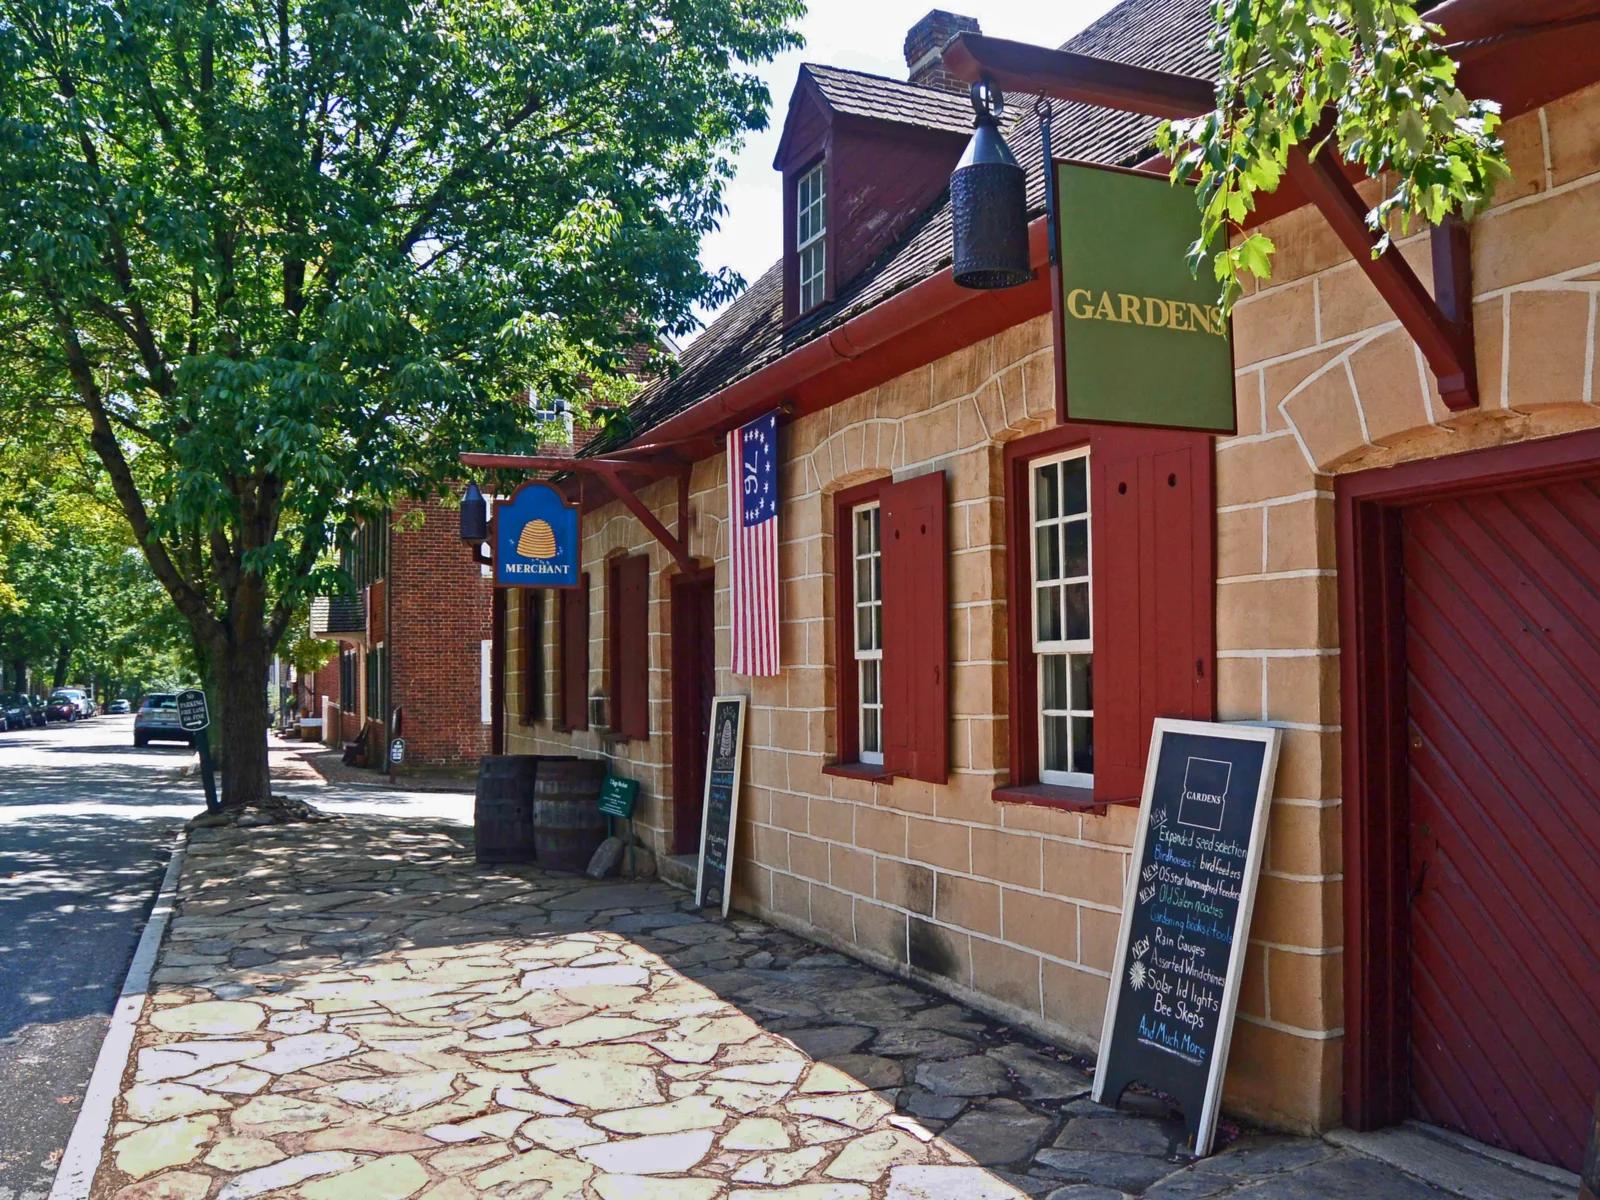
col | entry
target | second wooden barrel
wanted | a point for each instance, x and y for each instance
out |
(568, 825)
(503, 808)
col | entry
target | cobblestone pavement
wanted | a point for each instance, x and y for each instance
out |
(359, 1010)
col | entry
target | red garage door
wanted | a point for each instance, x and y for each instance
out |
(1502, 604)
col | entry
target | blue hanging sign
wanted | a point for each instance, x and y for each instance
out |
(536, 539)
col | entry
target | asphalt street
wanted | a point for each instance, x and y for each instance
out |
(87, 825)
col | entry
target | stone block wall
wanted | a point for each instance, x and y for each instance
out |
(1014, 908)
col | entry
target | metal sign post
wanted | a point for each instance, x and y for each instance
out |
(194, 716)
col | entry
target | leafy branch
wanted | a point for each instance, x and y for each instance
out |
(1370, 77)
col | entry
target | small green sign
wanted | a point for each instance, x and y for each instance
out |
(617, 796)
(1145, 342)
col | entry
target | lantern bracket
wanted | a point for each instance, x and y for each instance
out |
(1441, 328)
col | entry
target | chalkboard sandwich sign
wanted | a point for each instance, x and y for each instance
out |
(1186, 916)
(720, 813)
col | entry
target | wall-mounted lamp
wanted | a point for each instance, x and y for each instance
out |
(989, 203)
(474, 516)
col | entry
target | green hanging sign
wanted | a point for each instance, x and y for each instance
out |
(1141, 340)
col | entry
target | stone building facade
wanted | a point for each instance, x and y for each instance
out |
(1012, 905)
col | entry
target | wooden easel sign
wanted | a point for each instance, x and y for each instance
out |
(1186, 916)
(719, 819)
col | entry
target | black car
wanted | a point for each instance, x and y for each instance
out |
(16, 711)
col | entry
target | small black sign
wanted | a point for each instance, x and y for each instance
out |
(1186, 916)
(193, 712)
(718, 822)
(397, 751)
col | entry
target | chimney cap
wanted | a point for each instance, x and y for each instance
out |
(924, 48)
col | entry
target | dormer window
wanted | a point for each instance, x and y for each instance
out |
(811, 225)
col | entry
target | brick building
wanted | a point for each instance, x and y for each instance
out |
(1409, 591)
(414, 644)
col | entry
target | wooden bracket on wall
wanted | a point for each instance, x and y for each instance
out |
(1442, 327)
(676, 546)
(610, 472)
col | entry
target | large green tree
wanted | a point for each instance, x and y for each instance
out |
(1368, 80)
(289, 257)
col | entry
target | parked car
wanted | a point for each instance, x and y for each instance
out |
(16, 711)
(61, 707)
(157, 721)
(40, 717)
(81, 701)
(117, 707)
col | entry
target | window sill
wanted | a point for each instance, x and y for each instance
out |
(871, 772)
(1049, 795)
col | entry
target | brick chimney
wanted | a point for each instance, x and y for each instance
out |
(925, 45)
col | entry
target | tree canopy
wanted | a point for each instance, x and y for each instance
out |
(288, 259)
(1366, 79)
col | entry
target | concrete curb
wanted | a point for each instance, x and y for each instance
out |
(1457, 1165)
(87, 1144)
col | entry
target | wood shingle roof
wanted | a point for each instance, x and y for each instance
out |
(1170, 35)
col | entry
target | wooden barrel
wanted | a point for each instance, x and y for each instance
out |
(503, 808)
(568, 825)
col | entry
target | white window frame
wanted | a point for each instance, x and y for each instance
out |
(869, 659)
(1059, 646)
(810, 246)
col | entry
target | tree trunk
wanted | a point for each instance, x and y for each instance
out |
(63, 660)
(19, 674)
(239, 716)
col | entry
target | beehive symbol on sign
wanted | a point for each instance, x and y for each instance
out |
(537, 540)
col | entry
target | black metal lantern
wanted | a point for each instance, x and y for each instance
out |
(474, 515)
(989, 203)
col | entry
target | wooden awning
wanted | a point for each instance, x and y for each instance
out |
(612, 472)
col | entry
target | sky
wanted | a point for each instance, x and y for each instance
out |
(865, 35)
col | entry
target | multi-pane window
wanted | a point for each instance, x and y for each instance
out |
(868, 555)
(1061, 618)
(811, 224)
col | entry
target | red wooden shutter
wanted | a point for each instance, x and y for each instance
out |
(1154, 594)
(573, 689)
(629, 635)
(916, 629)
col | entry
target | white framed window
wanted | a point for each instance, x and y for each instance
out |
(554, 414)
(1062, 618)
(868, 554)
(810, 225)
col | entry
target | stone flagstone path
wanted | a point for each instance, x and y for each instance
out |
(358, 1011)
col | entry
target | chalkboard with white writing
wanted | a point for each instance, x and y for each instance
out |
(720, 815)
(1186, 916)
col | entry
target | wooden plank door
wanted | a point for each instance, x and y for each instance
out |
(694, 683)
(1502, 607)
